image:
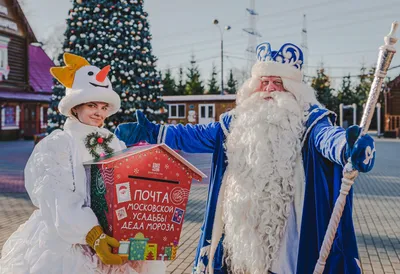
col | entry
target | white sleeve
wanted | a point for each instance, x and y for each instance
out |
(51, 179)
(122, 144)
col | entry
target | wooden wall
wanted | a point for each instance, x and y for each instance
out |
(18, 62)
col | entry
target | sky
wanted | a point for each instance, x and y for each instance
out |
(342, 35)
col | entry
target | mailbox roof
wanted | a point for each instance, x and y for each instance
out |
(139, 149)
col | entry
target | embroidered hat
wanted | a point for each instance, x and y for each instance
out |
(287, 62)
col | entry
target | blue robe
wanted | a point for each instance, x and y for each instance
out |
(322, 152)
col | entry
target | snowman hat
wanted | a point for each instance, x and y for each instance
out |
(84, 83)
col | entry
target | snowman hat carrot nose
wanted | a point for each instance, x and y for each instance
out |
(84, 83)
(102, 74)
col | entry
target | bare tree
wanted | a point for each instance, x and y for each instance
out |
(22, 2)
(241, 75)
(53, 42)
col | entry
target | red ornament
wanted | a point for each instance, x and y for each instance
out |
(100, 140)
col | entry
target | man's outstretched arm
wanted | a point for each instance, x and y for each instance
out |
(189, 138)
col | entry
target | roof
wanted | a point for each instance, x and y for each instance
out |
(139, 149)
(40, 78)
(395, 83)
(20, 12)
(207, 97)
(25, 96)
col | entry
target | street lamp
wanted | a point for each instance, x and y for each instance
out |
(221, 30)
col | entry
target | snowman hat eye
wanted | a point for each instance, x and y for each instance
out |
(90, 73)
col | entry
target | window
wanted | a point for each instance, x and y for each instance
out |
(10, 117)
(203, 112)
(177, 111)
(4, 68)
(43, 117)
(210, 111)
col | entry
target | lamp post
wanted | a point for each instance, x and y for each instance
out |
(221, 30)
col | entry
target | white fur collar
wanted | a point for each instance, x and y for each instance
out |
(79, 130)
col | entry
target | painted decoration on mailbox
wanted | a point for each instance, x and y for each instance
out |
(139, 196)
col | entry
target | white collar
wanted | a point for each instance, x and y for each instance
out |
(79, 130)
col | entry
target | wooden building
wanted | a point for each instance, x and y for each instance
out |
(198, 109)
(392, 109)
(25, 80)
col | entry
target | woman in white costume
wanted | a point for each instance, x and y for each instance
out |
(63, 236)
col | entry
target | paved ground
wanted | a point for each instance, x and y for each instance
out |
(376, 207)
(13, 157)
(376, 212)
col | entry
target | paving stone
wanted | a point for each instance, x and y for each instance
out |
(376, 203)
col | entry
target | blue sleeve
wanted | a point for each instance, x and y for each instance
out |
(189, 138)
(193, 138)
(329, 140)
(133, 133)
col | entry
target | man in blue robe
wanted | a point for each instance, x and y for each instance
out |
(276, 173)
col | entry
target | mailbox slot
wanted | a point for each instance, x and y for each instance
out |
(154, 180)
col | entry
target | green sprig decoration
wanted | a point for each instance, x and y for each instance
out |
(94, 140)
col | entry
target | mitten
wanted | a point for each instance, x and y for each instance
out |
(101, 243)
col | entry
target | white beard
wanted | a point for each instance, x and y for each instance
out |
(262, 149)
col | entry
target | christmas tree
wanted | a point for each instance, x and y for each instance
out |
(194, 86)
(150, 256)
(212, 83)
(181, 87)
(169, 85)
(322, 85)
(116, 33)
(346, 94)
(232, 84)
(364, 86)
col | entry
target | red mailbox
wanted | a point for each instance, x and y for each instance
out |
(139, 196)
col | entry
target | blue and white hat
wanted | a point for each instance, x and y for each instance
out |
(287, 62)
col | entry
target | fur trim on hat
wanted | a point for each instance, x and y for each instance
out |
(271, 68)
(95, 94)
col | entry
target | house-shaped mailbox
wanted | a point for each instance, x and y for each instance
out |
(139, 196)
